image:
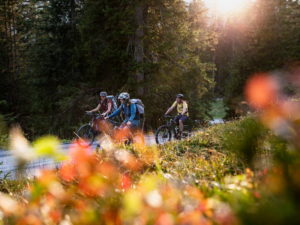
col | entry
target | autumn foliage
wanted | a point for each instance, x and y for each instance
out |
(203, 180)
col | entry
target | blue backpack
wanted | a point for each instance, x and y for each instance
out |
(139, 105)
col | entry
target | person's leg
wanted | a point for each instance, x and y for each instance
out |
(126, 132)
(136, 135)
(180, 126)
(122, 125)
(177, 118)
(135, 124)
(105, 126)
(97, 123)
(181, 122)
(122, 132)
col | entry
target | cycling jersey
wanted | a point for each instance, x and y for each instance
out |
(131, 113)
(183, 106)
(104, 105)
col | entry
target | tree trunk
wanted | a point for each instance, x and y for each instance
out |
(14, 40)
(6, 27)
(73, 32)
(139, 46)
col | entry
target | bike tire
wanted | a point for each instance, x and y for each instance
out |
(166, 132)
(86, 133)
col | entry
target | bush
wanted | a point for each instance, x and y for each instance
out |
(218, 109)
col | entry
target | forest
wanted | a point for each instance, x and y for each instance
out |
(235, 61)
(57, 55)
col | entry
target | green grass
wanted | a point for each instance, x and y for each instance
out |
(209, 157)
(13, 186)
(201, 160)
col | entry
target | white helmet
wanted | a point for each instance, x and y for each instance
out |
(124, 95)
(179, 96)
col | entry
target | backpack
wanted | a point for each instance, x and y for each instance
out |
(139, 104)
(114, 102)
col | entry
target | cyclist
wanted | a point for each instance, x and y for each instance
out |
(182, 109)
(132, 116)
(105, 105)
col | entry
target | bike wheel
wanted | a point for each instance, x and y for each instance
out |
(187, 132)
(86, 133)
(163, 134)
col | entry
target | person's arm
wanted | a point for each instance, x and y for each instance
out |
(115, 113)
(171, 108)
(132, 112)
(185, 108)
(109, 105)
(95, 109)
(126, 121)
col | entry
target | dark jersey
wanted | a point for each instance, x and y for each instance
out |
(104, 105)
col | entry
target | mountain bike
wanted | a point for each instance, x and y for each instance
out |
(170, 130)
(88, 132)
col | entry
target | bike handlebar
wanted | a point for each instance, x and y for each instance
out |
(93, 114)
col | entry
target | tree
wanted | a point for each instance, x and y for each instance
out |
(140, 9)
(177, 42)
(61, 53)
(9, 56)
(264, 39)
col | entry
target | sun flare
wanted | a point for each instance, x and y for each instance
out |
(227, 7)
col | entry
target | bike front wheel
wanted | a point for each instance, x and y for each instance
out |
(163, 134)
(86, 133)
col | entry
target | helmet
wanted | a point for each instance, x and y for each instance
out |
(103, 94)
(179, 96)
(124, 95)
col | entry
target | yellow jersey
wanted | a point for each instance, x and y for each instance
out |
(183, 106)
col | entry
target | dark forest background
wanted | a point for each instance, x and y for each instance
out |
(56, 55)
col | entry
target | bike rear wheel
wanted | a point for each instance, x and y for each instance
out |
(187, 131)
(163, 134)
(86, 133)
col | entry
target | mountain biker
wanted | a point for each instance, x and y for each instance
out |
(132, 116)
(182, 110)
(104, 106)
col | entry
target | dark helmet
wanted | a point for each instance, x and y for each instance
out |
(179, 96)
(103, 94)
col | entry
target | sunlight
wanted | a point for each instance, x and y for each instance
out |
(227, 7)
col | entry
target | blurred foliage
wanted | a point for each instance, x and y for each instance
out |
(200, 180)
(119, 186)
(247, 138)
(217, 109)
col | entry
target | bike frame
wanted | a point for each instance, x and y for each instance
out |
(174, 127)
(93, 123)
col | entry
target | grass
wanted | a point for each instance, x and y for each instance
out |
(207, 173)
(201, 160)
(13, 186)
